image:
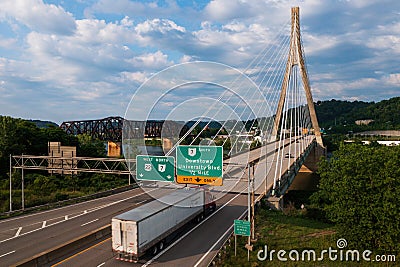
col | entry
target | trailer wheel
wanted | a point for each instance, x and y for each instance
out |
(154, 250)
(161, 245)
(199, 218)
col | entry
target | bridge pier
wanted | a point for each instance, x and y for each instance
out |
(275, 203)
(167, 144)
(311, 162)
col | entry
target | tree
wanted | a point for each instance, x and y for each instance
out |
(359, 190)
(88, 147)
(56, 134)
(16, 137)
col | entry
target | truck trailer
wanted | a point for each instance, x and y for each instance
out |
(147, 227)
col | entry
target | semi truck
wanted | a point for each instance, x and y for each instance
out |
(149, 227)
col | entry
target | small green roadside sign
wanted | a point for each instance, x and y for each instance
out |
(155, 168)
(199, 165)
(241, 227)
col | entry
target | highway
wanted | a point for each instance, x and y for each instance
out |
(187, 250)
(198, 244)
(41, 236)
(27, 236)
(21, 225)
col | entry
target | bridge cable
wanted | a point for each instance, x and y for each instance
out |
(260, 108)
(250, 65)
(206, 112)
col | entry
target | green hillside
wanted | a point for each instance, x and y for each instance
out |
(340, 116)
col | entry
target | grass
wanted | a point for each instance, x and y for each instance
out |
(296, 232)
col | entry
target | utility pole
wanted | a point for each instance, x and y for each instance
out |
(10, 183)
(23, 183)
(248, 209)
(252, 204)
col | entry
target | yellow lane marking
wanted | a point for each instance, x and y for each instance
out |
(83, 251)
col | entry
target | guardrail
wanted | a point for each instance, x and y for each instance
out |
(69, 201)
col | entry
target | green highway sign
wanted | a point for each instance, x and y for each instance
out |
(155, 168)
(199, 165)
(241, 227)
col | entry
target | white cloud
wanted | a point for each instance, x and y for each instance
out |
(135, 9)
(362, 3)
(318, 43)
(185, 58)
(38, 16)
(393, 80)
(388, 43)
(95, 44)
(158, 25)
(7, 42)
(227, 9)
(151, 60)
(137, 77)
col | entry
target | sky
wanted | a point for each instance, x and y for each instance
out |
(64, 60)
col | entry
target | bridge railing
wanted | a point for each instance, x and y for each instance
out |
(288, 176)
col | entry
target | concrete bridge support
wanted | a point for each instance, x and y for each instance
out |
(311, 162)
(167, 144)
(275, 203)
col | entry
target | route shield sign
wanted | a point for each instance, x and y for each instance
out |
(241, 227)
(155, 168)
(199, 165)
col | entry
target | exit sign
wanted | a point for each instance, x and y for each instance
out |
(155, 168)
(241, 227)
(199, 165)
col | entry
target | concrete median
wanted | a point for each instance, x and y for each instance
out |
(53, 255)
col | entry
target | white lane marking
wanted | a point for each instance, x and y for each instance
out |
(101, 264)
(104, 206)
(18, 232)
(194, 228)
(222, 236)
(56, 209)
(44, 224)
(85, 211)
(8, 253)
(89, 222)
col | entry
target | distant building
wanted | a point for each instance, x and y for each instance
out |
(62, 161)
(386, 143)
(363, 122)
(381, 133)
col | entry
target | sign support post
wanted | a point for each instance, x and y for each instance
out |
(22, 184)
(248, 208)
(252, 204)
(235, 244)
(10, 183)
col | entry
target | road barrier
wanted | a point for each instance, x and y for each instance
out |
(53, 255)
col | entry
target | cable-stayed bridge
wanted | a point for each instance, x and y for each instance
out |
(270, 103)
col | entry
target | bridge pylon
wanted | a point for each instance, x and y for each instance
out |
(296, 58)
